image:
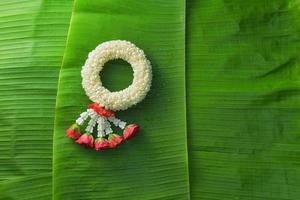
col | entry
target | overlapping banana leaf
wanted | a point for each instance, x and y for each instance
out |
(154, 165)
(221, 120)
(32, 41)
(243, 99)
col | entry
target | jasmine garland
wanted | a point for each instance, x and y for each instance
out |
(120, 100)
(101, 112)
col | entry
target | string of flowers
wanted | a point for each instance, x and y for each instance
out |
(101, 112)
(102, 119)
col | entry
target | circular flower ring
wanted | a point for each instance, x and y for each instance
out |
(123, 99)
(101, 113)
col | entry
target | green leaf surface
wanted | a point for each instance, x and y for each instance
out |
(154, 164)
(32, 40)
(233, 64)
(243, 99)
(34, 187)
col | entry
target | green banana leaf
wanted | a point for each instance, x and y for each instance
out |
(243, 99)
(220, 122)
(32, 41)
(153, 165)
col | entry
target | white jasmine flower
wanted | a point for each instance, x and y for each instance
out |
(119, 100)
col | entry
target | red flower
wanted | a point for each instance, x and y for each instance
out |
(130, 131)
(86, 140)
(101, 111)
(114, 140)
(101, 144)
(74, 132)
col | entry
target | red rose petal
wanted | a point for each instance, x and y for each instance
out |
(130, 131)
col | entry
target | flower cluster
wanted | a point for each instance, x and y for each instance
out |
(106, 139)
(119, 100)
(102, 143)
(101, 111)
